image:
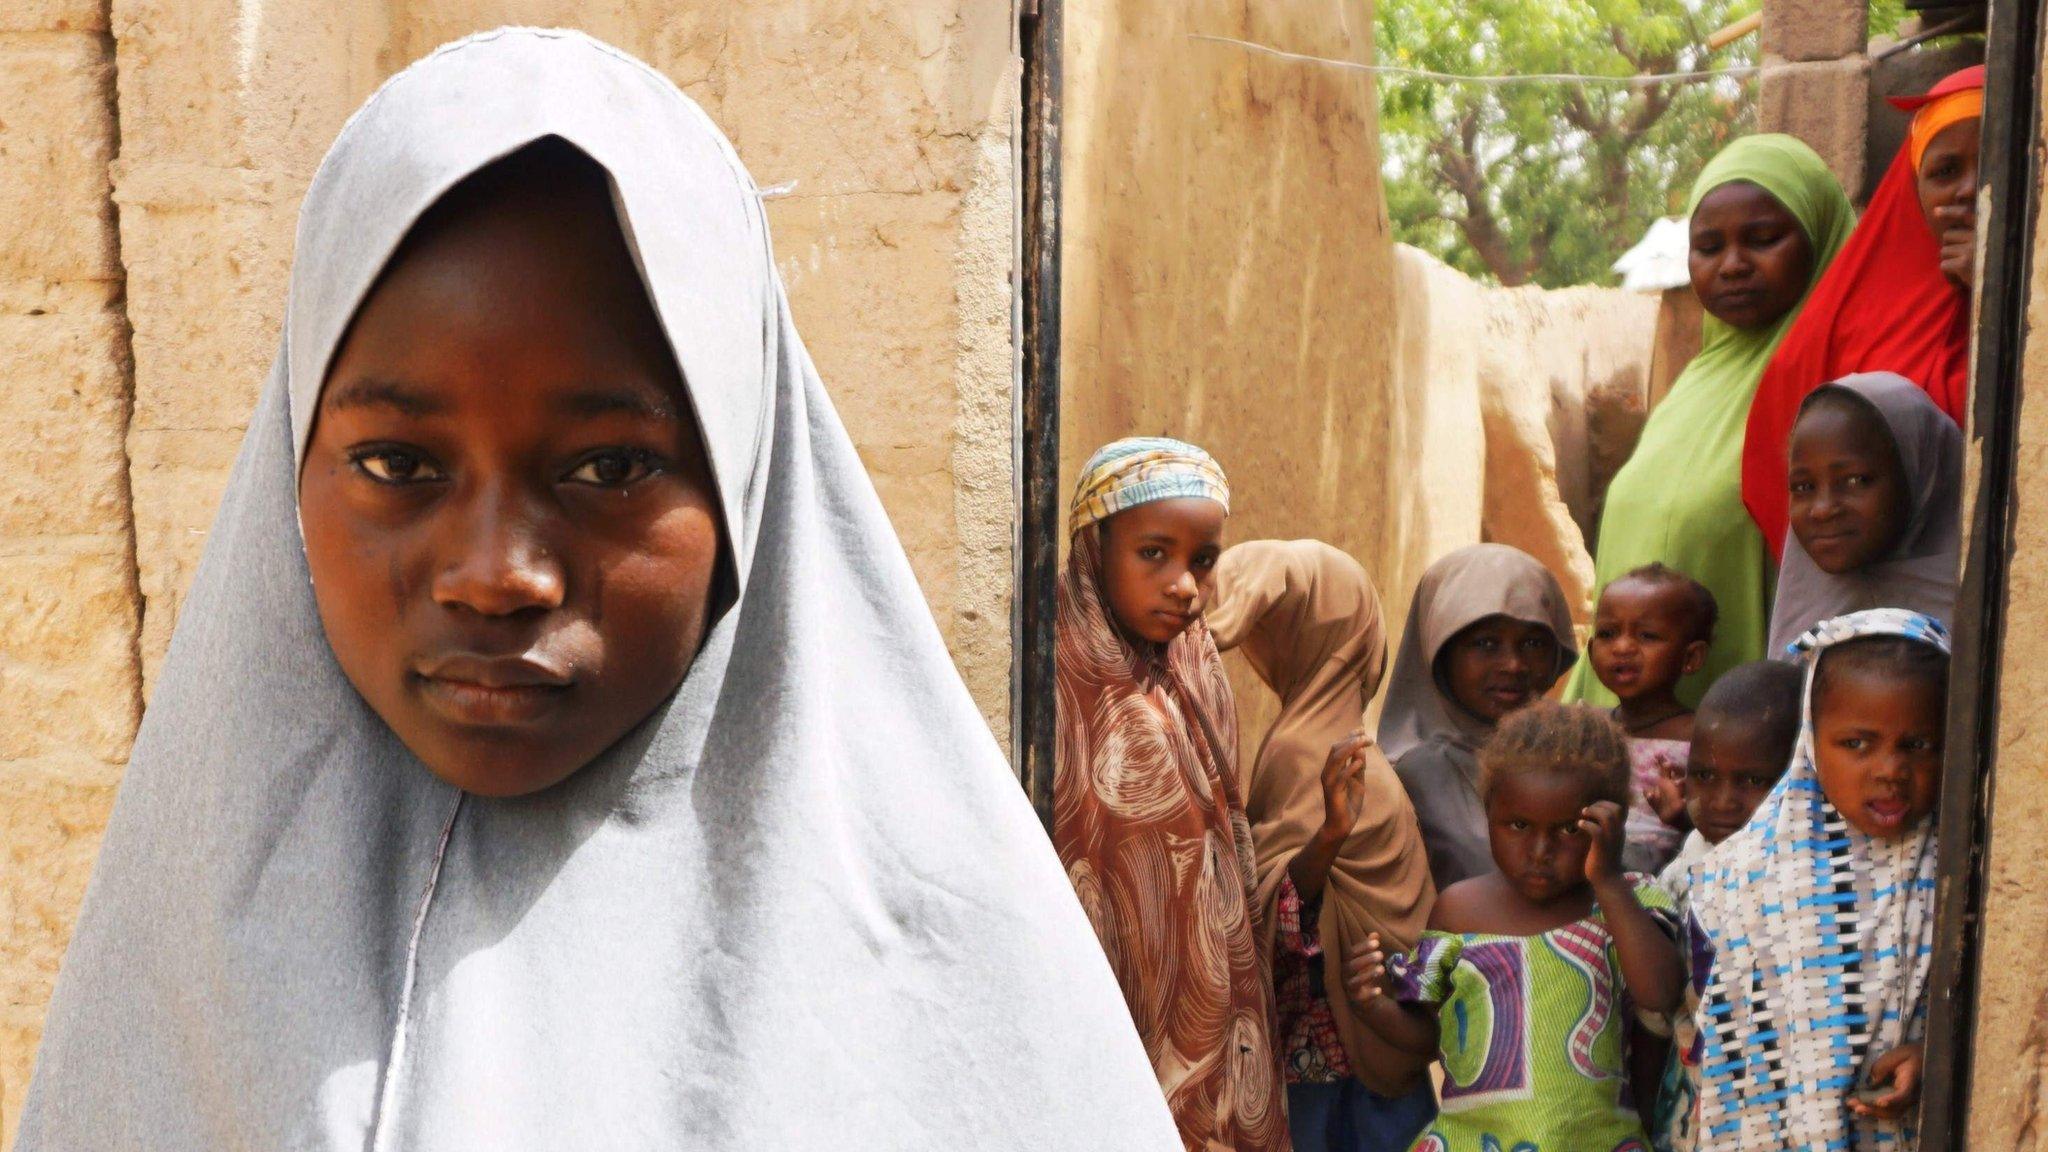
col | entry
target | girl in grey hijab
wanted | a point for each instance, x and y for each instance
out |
(1875, 478)
(790, 898)
(1488, 632)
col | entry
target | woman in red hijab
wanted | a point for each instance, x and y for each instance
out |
(1896, 300)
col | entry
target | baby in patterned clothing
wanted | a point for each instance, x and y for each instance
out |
(1652, 627)
(1527, 979)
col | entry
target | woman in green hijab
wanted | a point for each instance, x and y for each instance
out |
(1767, 218)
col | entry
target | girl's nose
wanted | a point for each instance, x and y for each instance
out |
(1184, 587)
(497, 564)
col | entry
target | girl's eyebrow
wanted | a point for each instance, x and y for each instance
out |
(370, 392)
(628, 400)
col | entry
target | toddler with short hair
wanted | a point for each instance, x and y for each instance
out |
(1652, 627)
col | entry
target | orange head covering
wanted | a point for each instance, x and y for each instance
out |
(1959, 96)
(1945, 112)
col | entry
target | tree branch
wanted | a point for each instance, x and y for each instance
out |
(1458, 164)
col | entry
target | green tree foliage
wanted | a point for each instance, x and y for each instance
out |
(1548, 183)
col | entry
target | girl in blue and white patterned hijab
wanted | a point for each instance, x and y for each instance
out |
(1811, 930)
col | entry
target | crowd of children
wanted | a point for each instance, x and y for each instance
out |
(556, 750)
(1690, 910)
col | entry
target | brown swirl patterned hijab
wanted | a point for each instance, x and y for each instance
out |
(1148, 820)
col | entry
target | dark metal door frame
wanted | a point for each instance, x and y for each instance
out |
(1032, 694)
(2009, 172)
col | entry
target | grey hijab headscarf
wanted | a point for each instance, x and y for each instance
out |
(1433, 741)
(1921, 572)
(804, 906)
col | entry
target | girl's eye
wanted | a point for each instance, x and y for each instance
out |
(1518, 825)
(1758, 782)
(396, 466)
(613, 468)
(1205, 562)
(1152, 552)
(1853, 743)
(1801, 488)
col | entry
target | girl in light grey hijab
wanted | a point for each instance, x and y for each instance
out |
(1875, 477)
(613, 788)
(1488, 632)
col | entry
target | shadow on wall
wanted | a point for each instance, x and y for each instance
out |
(1509, 411)
(1522, 404)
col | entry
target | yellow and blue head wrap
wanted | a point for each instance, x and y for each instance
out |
(1140, 470)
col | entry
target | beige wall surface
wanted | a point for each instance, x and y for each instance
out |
(70, 691)
(204, 120)
(2008, 1105)
(1228, 278)
(1227, 270)
(1227, 273)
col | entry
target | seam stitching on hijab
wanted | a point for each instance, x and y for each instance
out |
(396, 1055)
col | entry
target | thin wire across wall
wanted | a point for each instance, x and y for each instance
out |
(1640, 81)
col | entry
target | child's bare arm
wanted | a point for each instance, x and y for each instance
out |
(1409, 1029)
(1894, 1084)
(1651, 966)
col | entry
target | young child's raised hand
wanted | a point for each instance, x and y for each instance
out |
(1344, 785)
(1365, 971)
(1606, 823)
(1899, 1068)
(1667, 797)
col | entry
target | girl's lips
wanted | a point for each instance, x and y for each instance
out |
(471, 704)
(1886, 813)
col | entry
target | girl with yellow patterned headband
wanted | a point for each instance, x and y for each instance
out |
(1147, 815)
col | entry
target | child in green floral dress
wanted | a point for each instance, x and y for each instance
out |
(1525, 983)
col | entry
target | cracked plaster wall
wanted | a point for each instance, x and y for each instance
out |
(152, 157)
(2008, 1105)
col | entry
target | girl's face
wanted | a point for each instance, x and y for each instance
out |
(1158, 564)
(1848, 499)
(1729, 770)
(1532, 825)
(1947, 184)
(1751, 261)
(1643, 638)
(1498, 665)
(512, 528)
(1877, 748)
